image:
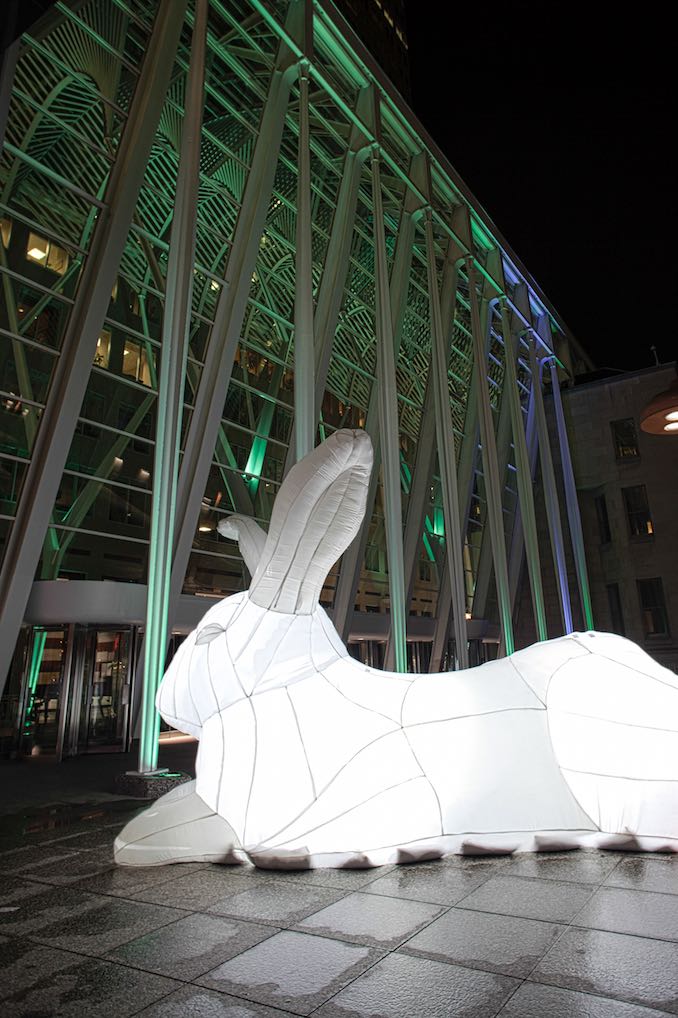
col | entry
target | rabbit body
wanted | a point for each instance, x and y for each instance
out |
(309, 758)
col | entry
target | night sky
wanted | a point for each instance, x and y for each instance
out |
(562, 132)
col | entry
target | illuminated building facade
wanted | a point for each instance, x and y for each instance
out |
(224, 234)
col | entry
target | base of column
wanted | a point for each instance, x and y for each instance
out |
(151, 784)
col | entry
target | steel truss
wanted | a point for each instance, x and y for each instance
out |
(341, 275)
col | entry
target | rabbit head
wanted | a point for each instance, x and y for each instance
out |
(267, 635)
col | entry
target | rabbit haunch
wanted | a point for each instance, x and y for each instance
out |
(309, 758)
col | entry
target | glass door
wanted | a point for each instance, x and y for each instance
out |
(43, 690)
(106, 691)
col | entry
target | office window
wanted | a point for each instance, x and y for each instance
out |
(103, 350)
(603, 520)
(638, 511)
(47, 254)
(653, 607)
(625, 438)
(135, 362)
(616, 613)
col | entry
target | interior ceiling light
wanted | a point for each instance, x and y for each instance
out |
(37, 254)
(660, 416)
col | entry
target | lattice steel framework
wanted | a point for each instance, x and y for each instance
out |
(89, 182)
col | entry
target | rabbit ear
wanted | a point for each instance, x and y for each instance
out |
(250, 537)
(317, 513)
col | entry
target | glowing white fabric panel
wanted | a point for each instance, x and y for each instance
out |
(308, 757)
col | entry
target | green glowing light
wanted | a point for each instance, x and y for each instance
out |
(39, 640)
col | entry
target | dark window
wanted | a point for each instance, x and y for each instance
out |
(653, 607)
(625, 438)
(126, 507)
(616, 613)
(603, 520)
(638, 511)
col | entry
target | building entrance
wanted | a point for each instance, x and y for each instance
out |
(106, 691)
(73, 691)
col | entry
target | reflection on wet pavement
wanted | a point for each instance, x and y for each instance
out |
(564, 934)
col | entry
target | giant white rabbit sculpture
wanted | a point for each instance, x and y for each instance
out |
(309, 758)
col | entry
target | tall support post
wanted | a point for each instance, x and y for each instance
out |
(550, 493)
(523, 474)
(573, 515)
(388, 424)
(490, 466)
(304, 352)
(417, 502)
(330, 294)
(208, 403)
(352, 559)
(72, 370)
(518, 537)
(173, 356)
(447, 459)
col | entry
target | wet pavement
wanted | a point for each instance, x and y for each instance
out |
(564, 935)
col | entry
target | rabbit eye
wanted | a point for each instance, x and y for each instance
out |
(209, 633)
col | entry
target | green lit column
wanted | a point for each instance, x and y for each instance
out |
(573, 515)
(304, 352)
(447, 459)
(490, 466)
(388, 426)
(175, 332)
(523, 473)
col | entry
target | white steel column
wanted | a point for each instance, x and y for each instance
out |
(447, 459)
(173, 356)
(573, 515)
(305, 420)
(493, 489)
(72, 371)
(353, 557)
(550, 493)
(388, 425)
(419, 488)
(333, 281)
(230, 311)
(523, 475)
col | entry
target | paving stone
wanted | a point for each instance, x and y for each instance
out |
(533, 1000)
(440, 882)
(85, 923)
(197, 891)
(371, 919)
(551, 900)
(191, 946)
(292, 971)
(197, 1002)
(75, 868)
(125, 881)
(280, 904)
(402, 987)
(642, 913)
(347, 879)
(23, 964)
(633, 969)
(96, 989)
(582, 867)
(494, 943)
(34, 857)
(647, 873)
